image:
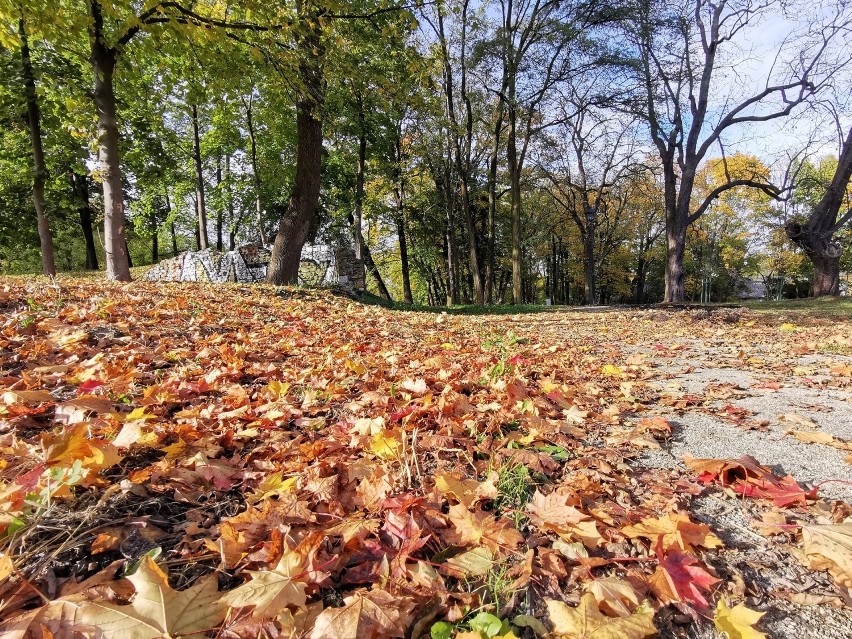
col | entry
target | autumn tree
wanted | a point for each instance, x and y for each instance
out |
(690, 102)
(815, 234)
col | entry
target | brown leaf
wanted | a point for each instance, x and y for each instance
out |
(366, 615)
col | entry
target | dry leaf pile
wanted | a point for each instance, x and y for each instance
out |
(183, 460)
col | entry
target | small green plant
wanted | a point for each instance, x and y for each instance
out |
(515, 487)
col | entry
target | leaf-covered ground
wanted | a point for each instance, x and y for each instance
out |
(189, 460)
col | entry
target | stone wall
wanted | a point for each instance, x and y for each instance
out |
(246, 264)
(350, 270)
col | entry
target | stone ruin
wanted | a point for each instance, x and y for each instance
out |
(318, 267)
(246, 264)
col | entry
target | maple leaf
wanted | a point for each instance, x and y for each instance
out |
(270, 591)
(272, 485)
(553, 512)
(680, 577)
(466, 491)
(366, 615)
(737, 622)
(474, 528)
(829, 547)
(614, 595)
(587, 622)
(674, 530)
(156, 609)
(73, 444)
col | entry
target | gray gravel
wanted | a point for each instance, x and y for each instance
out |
(701, 434)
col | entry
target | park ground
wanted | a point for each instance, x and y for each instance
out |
(307, 464)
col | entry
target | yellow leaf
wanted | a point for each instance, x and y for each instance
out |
(175, 450)
(278, 389)
(612, 370)
(271, 485)
(614, 595)
(355, 367)
(138, 413)
(269, 591)
(737, 622)
(6, 566)
(675, 530)
(385, 445)
(586, 621)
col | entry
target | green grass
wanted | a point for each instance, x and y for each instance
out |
(839, 307)
(515, 488)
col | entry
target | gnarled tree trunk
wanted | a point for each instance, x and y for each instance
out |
(815, 236)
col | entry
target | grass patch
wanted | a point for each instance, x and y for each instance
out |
(515, 488)
(840, 307)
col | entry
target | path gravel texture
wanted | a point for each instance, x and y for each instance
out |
(734, 383)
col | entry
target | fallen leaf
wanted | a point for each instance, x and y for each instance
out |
(615, 596)
(366, 615)
(270, 591)
(830, 548)
(737, 622)
(586, 621)
(674, 530)
(156, 609)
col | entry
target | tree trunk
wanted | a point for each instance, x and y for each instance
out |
(377, 277)
(200, 204)
(155, 239)
(641, 267)
(816, 235)
(589, 261)
(490, 242)
(515, 188)
(80, 189)
(676, 245)
(220, 213)
(258, 204)
(103, 67)
(295, 225)
(39, 170)
(399, 197)
(826, 275)
(452, 297)
(233, 223)
(359, 183)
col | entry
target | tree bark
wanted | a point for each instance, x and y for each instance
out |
(220, 213)
(359, 182)
(103, 66)
(676, 247)
(200, 204)
(589, 262)
(48, 265)
(399, 198)
(155, 239)
(258, 203)
(80, 188)
(295, 225)
(515, 188)
(490, 241)
(816, 235)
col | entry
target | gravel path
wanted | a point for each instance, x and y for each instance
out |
(732, 383)
(703, 369)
